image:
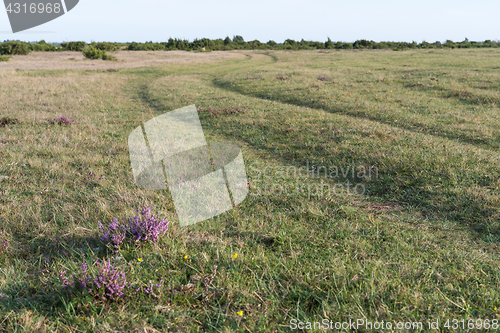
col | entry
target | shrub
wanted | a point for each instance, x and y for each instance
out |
(107, 284)
(4, 58)
(114, 233)
(324, 78)
(146, 226)
(272, 43)
(238, 39)
(74, 46)
(14, 48)
(329, 44)
(142, 228)
(43, 46)
(109, 47)
(94, 53)
(61, 120)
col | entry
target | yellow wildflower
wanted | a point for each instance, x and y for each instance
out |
(139, 259)
(235, 255)
(240, 313)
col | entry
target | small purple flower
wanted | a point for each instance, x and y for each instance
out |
(324, 78)
(4, 242)
(65, 282)
(61, 120)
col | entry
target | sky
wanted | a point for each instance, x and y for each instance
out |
(278, 20)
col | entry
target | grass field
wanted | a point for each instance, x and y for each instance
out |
(394, 215)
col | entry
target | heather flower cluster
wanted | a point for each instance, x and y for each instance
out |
(144, 227)
(324, 78)
(281, 77)
(61, 120)
(4, 242)
(214, 112)
(92, 177)
(258, 77)
(74, 282)
(114, 233)
(483, 86)
(109, 282)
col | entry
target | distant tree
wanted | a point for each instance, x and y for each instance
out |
(227, 41)
(450, 44)
(272, 43)
(238, 39)
(329, 44)
(363, 44)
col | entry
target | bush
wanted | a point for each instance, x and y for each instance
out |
(61, 120)
(329, 44)
(14, 47)
(109, 47)
(143, 228)
(108, 284)
(74, 46)
(4, 58)
(94, 53)
(43, 46)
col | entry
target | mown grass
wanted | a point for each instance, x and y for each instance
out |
(420, 243)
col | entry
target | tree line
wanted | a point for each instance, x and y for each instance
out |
(235, 43)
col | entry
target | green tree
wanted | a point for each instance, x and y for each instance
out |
(238, 39)
(329, 44)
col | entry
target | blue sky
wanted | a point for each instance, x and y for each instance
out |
(390, 20)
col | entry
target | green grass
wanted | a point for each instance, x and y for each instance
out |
(420, 243)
